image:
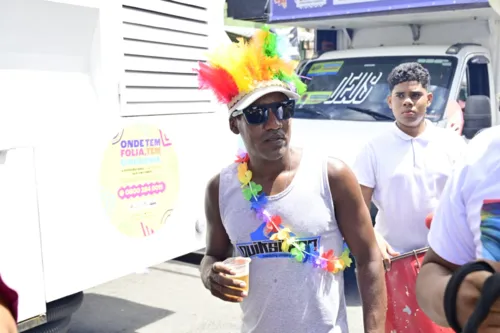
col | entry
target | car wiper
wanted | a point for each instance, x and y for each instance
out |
(311, 109)
(370, 112)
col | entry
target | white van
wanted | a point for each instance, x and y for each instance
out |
(345, 105)
(106, 144)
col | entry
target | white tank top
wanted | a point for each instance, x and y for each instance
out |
(285, 295)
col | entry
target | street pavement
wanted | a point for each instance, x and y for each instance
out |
(171, 298)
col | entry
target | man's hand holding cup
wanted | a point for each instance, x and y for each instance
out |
(229, 279)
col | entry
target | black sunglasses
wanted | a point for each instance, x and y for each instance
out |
(259, 114)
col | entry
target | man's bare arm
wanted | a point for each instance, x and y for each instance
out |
(355, 224)
(431, 285)
(218, 246)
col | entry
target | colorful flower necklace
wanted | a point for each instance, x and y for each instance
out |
(277, 232)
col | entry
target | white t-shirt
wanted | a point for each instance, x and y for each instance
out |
(408, 176)
(466, 225)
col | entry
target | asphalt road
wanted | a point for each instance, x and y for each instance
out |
(171, 298)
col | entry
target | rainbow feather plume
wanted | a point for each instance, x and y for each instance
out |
(238, 68)
(219, 80)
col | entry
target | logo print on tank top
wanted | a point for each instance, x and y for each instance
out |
(490, 229)
(262, 247)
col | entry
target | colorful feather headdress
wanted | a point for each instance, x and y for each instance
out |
(237, 70)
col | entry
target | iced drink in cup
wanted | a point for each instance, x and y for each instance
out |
(241, 268)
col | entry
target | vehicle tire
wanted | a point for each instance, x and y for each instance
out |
(59, 314)
(58, 326)
(64, 307)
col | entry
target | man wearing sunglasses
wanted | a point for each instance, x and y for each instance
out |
(309, 204)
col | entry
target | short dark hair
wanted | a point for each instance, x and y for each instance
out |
(409, 71)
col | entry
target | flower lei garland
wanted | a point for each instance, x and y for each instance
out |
(275, 231)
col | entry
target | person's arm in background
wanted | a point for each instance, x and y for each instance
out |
(365, 168)
(354, 221)
(8, 309)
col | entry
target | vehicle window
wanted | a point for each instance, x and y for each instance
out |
(357, 89)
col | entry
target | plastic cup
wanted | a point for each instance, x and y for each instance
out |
(241, 268)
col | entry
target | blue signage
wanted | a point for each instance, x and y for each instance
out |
(289, 10)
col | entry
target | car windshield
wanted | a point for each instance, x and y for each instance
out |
(356, 88)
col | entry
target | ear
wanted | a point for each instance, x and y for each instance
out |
(389, 101)
(233, 126)
(430, 96)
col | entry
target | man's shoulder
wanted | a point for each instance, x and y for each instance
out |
(212, 189)
(337, 169)
(341, 178)
(378, 144)
(384, 137)
(380, 141)
(227, 171)
(484, 147)
(444, 132)
(229, 167)
(480, 160)
(486, 136)
(449, 141)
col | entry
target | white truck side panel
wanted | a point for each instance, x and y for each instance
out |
(430, 34)
(67, 92)
(85, 3)
(21, 260)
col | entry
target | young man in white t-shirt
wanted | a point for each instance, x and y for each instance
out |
(465, 228)
(405, 169)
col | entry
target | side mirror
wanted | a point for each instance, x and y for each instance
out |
(477, 115)
(479, 60)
